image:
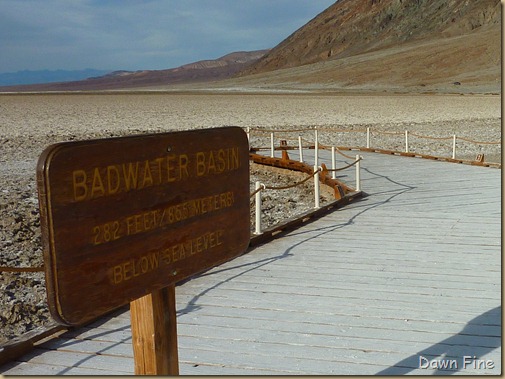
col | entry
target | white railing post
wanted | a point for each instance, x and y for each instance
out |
(454, 147)
(316, 187)
(272, 145)
(316, 149)
(368, 138)
(258, 209)
(406, 141)
(358, 173)
(333, 163)
(248, 131)
(300, 148)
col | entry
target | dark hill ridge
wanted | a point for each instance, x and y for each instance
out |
(202, 71)
(351, 27)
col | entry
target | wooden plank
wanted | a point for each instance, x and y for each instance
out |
(345, 270)
(197, 368)
(98, 334)
(108, 348)
(488, 325)
(339, 331)
(384, 287)
(381, 306)
(387, 310)
(258, 352)
(37, 369)
(283, 364)
(69, 360)
(287, 341)
(434, 267)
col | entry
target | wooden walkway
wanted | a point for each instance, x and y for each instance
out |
(409, 276)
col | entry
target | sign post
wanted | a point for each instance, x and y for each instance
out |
(124, 219)
(154, 333)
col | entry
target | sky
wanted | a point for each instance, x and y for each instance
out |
(141, 34)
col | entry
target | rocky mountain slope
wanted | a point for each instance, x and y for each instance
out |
(351, 27)
(389, 45)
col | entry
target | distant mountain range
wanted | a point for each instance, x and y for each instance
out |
(431, 46)
(47, 76)
(201, 71)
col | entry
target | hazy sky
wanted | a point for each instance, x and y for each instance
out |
(141, 34)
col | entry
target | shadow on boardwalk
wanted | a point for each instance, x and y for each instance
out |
(193, 306)
(464, 350)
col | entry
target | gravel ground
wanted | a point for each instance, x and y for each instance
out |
(29, 123)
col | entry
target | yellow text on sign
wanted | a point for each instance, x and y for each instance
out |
(158, 218)
(133, 176)
(150, 262)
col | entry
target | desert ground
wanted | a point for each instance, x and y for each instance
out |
(31, 122)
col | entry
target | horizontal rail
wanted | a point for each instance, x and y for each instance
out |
(302, 219)
(424, 156)
(369, 130)
(341, 190)
(282, 133)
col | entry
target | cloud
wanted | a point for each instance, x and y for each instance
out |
(134, 34)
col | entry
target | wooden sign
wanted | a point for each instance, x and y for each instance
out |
(123, 217)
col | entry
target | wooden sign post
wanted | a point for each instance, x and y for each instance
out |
(124, 219)
(154, 333)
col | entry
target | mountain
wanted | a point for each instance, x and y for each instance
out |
(390, 44)
(447, 46)
(202, 71)
(46, 76)
(351, 27)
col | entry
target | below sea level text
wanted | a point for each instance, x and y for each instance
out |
(150, 262)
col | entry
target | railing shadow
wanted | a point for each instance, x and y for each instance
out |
(192, 305)
(68, 339)
(462, 351)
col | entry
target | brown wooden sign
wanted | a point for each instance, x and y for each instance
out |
(123, 217)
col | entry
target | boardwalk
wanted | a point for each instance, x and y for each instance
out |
(410, 276)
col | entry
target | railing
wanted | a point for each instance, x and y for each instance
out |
(403, 145)
(301, 143)
(317, 171)
(260, 187)
(454, 138)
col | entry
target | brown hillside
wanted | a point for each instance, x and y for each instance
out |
(468, 63)
(351, 27)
